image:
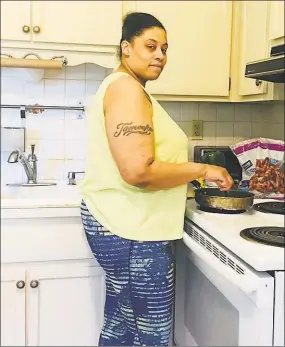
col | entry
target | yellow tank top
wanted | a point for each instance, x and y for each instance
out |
(127, 211)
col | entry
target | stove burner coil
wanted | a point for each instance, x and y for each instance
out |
(277, 207)
(269, 235)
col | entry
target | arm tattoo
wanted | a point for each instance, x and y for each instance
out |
(126, 129)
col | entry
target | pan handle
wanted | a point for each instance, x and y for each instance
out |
(196, 184)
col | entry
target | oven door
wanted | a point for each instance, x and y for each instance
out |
(219, 301)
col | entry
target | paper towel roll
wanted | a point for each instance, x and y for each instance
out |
(32, 63)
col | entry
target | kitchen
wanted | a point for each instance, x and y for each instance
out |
(230, 108)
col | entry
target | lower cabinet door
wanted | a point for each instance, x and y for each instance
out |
(65, 305)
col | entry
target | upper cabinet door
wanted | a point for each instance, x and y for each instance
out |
(77, 22)
(276, 30)
(199, 38)
(254, 43)
(15, 20)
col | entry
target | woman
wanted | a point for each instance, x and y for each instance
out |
(134, 190)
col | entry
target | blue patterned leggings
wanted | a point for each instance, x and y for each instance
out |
(139, 286)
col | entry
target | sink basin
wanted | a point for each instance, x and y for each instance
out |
(39, 184)
(43, 190)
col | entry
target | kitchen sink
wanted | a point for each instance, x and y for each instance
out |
(39, 184)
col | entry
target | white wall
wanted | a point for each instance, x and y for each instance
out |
(60, 137)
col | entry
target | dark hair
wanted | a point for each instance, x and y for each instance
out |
(135, 23)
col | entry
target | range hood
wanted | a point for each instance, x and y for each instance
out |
(270, 69)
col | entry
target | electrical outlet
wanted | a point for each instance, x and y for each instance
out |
(197, 130)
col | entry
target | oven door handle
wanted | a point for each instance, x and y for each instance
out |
(246, 283)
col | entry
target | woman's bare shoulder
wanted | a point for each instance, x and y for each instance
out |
(125, 88)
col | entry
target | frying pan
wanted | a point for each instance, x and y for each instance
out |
(214, 198)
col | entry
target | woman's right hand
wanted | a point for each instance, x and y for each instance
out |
(219, 175)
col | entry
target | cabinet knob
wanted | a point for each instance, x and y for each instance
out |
(36, 29)
(26, 29)
(34, 284)
(20, 284)
(258, 83)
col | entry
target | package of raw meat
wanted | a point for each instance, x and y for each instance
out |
(262, 162)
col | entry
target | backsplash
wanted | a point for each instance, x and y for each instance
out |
(60, 137)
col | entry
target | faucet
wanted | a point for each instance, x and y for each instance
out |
(29, 163)
(71, 177)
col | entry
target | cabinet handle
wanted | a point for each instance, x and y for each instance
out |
(20, 284)
(258, 83)
(36, 29)
(34, 284)
(26, 29)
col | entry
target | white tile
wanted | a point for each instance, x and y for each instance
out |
(224, 142)
(276, 113)
(75, 149)
(275, 131)
(56, 74)
(9, 72)
(258, 130)
(189, 111)
(75, 129)
(72, 115)
(209, 131)
(207, 111)
(225, 112)
(242, 130)
(10, 172)
(92, 87)
(34, 91)
(11, 86)
(186, 127)
(50, 169)
(260, 112)
(52, 115)
(52, 129)
(33, 133)
(77, 72)
(75, 91)
(73, 165)
(55, 90)
(172, 108)
(225, 131)
(51, 149)
(11, 117)
(95, 72)
(243, 112)
(204, 142)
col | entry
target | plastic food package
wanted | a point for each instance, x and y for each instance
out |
(262, 162)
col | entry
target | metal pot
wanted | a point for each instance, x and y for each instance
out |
(214, 198)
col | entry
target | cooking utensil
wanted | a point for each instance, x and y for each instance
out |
(214, 198)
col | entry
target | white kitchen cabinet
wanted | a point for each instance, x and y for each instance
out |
(276, 29)
(254, 43)
(65, 306)
(199, 37)
(74, 22)
(62, 302)
(250, 42)
(77, 22)
(13, 306)
(15, 19)
(59, 305)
